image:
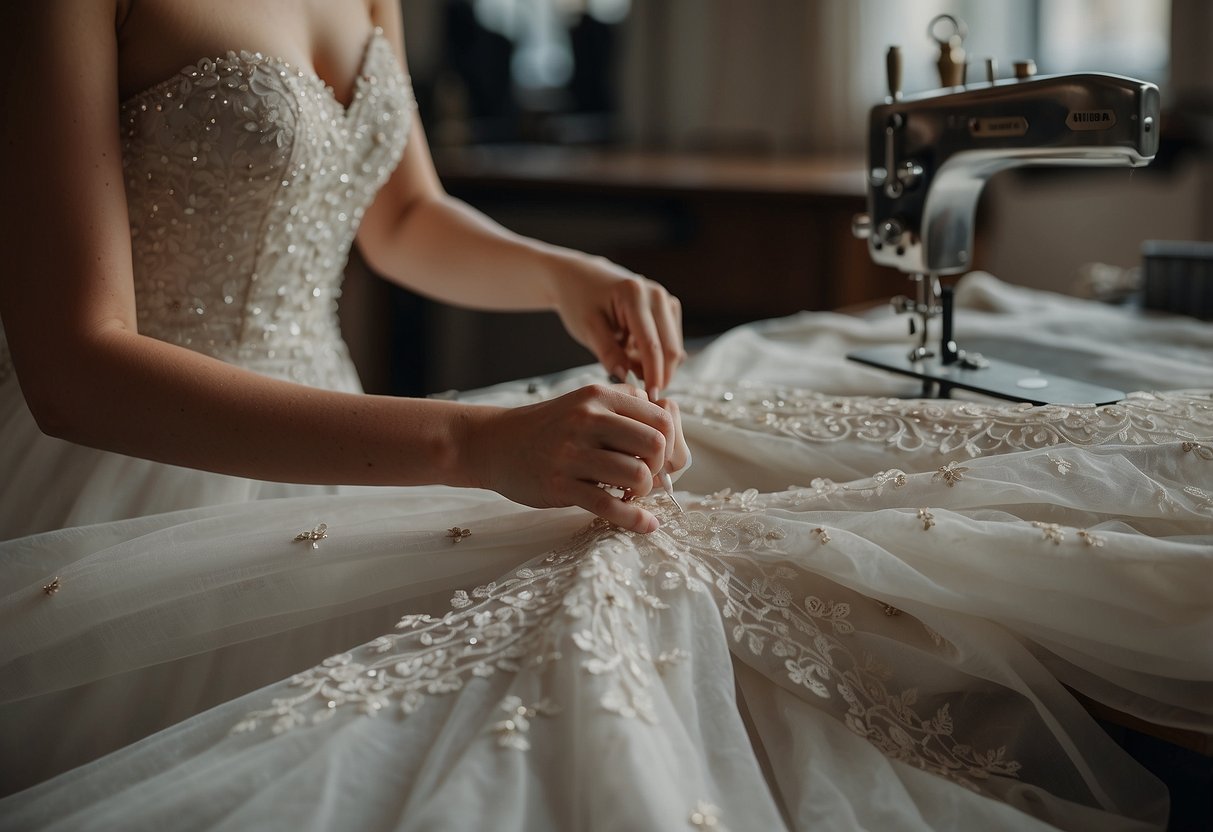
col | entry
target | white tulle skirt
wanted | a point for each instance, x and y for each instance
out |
(867, 618)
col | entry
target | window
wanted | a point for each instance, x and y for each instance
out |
(543, 56)
(1129, 37)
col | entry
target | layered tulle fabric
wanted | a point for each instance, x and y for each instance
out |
(867, 618)
(723, 667)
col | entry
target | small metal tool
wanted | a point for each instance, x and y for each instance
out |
(667, 482)
(667, 485)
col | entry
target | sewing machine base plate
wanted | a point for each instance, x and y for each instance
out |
(1001, 379)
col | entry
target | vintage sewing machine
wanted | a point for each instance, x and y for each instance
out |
(930, 155)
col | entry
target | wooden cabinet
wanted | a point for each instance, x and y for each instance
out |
(736, 239)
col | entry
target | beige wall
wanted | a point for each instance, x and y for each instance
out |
(1043, 229)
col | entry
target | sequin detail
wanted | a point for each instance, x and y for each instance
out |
(246, 181)
(314, 535)
(951, 474)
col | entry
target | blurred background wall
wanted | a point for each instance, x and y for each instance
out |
(716, 145)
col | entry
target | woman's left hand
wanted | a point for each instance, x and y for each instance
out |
(629, 322)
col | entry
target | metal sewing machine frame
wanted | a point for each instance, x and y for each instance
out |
(929, 157)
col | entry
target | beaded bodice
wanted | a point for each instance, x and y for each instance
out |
(246, 180)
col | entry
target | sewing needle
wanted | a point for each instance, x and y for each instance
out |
(667, 482)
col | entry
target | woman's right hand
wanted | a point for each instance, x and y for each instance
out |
(561, 452)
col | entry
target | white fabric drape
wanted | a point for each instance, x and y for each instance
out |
(863, 621)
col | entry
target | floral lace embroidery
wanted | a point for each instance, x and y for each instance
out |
(1197, 449)
(502, 624)
(512, 731)
(1202, 500)
(946, 427)
(809, 635)
(1051, 531)
(599, 591)
(819, 487)
(1090, 538)
(1062, 466)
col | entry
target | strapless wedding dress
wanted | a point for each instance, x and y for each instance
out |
(245, 182)
(867, 617)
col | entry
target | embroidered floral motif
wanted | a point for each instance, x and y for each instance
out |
(769, 620)
(1051, 531)
(1198, 449)
(512, 731)
(492, 629)
(822, 535)
(1090, 538)
(1062, 466)
(948, 427)
(741, 501)
(457, 534)
(725, 532)
(1202, 500)
(1164, 501)
(951, 474)
(594, 599)
(926, 518)
(894, 476)
(314, 535)
(819, 487)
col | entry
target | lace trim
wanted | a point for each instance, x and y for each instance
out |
(599, 591)
(950, 427)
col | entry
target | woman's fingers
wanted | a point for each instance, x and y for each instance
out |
(559, 452)
(617, 471)
(636, 317)
(669, 332)
(627, 434)
(626, 515)
(678, 454)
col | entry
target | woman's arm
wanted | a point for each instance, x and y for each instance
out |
(416, 235)
(67, 302)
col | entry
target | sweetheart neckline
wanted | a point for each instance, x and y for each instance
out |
(243, 55)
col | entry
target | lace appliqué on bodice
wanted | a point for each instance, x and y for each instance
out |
(246, 181)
